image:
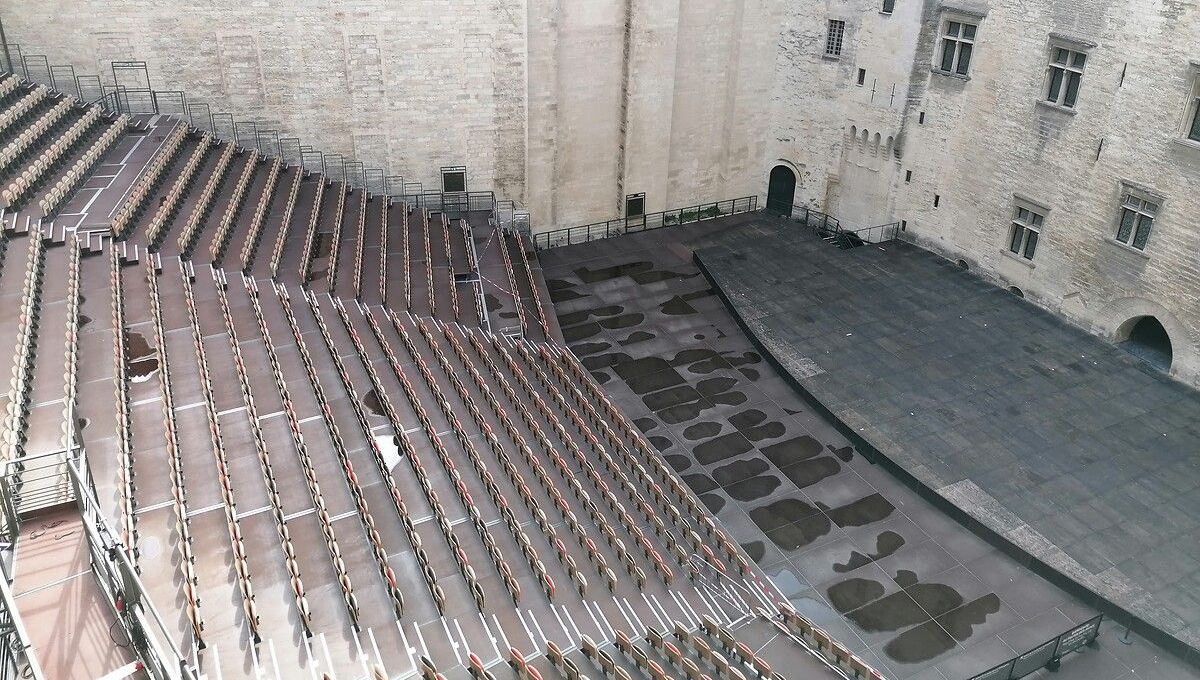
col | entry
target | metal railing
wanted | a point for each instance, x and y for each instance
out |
(831, 227)
(454, 204)
(36, 482)
(1046, 655)
(878, 234)
(633, 225)
(16, 661)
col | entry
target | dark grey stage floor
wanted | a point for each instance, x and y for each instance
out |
(1077, 453)
(905, 586)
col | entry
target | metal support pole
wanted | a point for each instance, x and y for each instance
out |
(4, 41)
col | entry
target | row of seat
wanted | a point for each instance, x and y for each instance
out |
(22, 186)
(383, 246)
(360, 245)
(335, 251)
(548, 485)
(264, 461)
(281, 238)
(407, 449)
(233, 208)
(28, 102)
(157, 229)
(464, 440)
(525, 670)
(825, 644)
(537, 295)
(9, 83)
(320, 508)
(374, 541)
(147, 183)
(512, 282)
(565, 471)
(558, 658)
(558, 500)
(614, 467)
(16, 411)
(406, 253)
(260, 213)
(648, 457)
(241, 565)
(82, 168)
(597, 481)
(729, 649)
(71, 351)
(450, 268)
(310, 234)
(191, 228)
(429, 286)
(190, 583)
(29, 138)
(126, 502)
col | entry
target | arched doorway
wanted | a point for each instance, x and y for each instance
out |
(781, 191)
(1145, 338)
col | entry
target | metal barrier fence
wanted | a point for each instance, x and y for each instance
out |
(454, 204)
(36, 482)
(829, 226)
(16, 661)
(1046, 655)
(632, 225)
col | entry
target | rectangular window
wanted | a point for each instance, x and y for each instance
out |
(1137, 219)
(1066, 70)
(1194, 132)
(862, 76)
(454, 180)
(958, 40)
(833, 40)
(1025, 231)
(889, 6)
(635, 205)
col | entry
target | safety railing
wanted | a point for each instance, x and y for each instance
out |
(455, 204)
(639, 223)
(35, 482)
(16, 661)
(877, 234)
(1047, 655)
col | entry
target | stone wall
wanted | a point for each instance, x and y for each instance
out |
(563, 106)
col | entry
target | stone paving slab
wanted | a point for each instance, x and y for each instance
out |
(1080, 459)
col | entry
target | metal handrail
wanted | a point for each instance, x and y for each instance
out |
(69, 479)
(639, 223)
(1048, 655)
(16, 659)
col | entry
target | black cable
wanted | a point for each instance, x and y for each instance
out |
(127, 642)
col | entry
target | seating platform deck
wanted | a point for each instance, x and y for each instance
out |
(1076, 457)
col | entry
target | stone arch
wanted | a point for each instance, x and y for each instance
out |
(875, 144)
(1119, 318)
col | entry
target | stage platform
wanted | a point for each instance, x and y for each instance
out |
(1073, 456)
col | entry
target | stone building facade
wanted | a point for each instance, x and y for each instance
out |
(570, 106)
(966, 160)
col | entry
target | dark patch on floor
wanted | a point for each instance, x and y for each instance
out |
(661, 443)
(886, 544)
(922, 643)
(739, 470)
(84, 320)
(636, 337)
(143, 360)
(864, 511)
(792, 451)
(371, 401)
(721, 448)
(756, 550)
(753, 488)
(713, 502)
(809, 472)
(853, 593)
(583, 349)
(645, 424)
(701, 430)
(750, 423)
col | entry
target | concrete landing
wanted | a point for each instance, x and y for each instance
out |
(1072, 455)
